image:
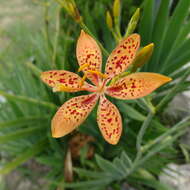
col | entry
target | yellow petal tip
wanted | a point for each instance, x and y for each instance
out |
(82, 33)
(169, 79)
(151, 45)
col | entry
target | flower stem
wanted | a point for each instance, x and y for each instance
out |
(57, 32)
(141, 134)
(46, 29)
(173, 90)
(148, 103)
(79, 21)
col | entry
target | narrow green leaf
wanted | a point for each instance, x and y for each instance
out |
(174, 27)
(165, 143)
(29, 153)
(22, 121)
(90, 183)
(19, 134)
(108, 167)
(172, 92)
(35, 70)
(50, 161)
(179, 73)
(182, 49)
(158, 31)
(27, 100)
(178, 63)
(174, 130)
(152, 183)
(92, 174)
(126, 159)
(183, 35)
(131, 112)
(146, 24)
(119, 163)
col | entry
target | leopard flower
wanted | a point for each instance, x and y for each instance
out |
(135, 85)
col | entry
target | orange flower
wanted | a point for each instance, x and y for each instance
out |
(136, 85)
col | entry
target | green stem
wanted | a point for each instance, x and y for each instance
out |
(161, 142)
(141, 134)
(117, 29)
(174, 129)
(28, 100)
(149, 105)
(166, 143)
(117, 39)
(173, 90)
(35, 70)
(46, 30)
(57, 32)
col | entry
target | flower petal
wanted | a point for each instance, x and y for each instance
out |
(136, 85)
(109, 121)
(89, 56)
(66, 81)
(122, 56)
(71, 114)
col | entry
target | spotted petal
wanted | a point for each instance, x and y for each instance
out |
(122, 56)
(71, 114)
(89, 56)
(62, 80)
(136, 85)
(109, 121)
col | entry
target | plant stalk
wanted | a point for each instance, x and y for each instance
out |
(141, 135)
(173, 90)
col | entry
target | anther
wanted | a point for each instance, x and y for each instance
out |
(82, 80)
(98, 73)
(82, 67)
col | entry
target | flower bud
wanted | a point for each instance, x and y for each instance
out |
(109, 21)
(133, 23)
(72, 10)
(116, 8)
(142, 56)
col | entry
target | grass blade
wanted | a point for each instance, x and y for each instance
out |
(30, 152)
(27, 100)
(174, 27)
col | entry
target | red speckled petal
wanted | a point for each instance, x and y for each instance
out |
(122, 56)
(88, 52)
(109, 121)
(62, 80)
(136, 85)
(71, 114)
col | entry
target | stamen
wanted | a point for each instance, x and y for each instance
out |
(98, 73)
(117, 77)
(83, 67)
(61, 87)
(82, 80)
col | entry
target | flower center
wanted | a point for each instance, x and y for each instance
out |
(101, 87)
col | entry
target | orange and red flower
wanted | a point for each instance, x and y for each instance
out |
(135, 85)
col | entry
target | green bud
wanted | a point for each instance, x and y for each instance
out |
(73, 10)
(142, 56)
(133, 23)
(109, 21)
(116, 8)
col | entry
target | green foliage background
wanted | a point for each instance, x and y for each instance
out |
(28, 105)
